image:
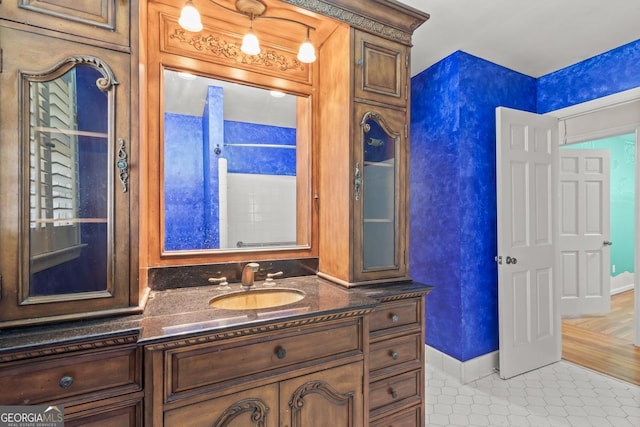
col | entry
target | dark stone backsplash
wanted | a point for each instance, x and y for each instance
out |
(162, 278)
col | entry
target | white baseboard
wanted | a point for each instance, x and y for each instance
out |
(622, 282)
(465, 372)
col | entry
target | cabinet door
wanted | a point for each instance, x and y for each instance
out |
(332, 397)
(100, 20)
(380, 193)
(109, 414)
(64, 185)
(256, 407)
(382, 69)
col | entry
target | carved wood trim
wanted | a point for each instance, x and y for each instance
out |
(62, 348)
(105, 83)
(218, 46)
(355, 19)
(320, 387)
(388, 298)
(223, 335)
(222, 46)
(256, 407)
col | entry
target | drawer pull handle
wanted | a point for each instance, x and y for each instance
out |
(281, 353)
(65, 382)
(394, 317)
(394, 355)
(394, 394)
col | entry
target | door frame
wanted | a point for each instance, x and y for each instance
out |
(591, 107)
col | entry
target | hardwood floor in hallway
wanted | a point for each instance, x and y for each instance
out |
(604, 343)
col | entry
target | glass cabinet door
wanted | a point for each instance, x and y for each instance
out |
(379, 195)
(65, 143)
(68, 177)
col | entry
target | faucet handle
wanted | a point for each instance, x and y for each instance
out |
(224, 285)
(269, 280)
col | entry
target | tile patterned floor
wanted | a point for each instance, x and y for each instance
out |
(561, 394)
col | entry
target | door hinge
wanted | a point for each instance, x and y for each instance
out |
(406, 131)
(1, 56)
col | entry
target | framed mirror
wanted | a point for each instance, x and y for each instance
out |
(236, 167)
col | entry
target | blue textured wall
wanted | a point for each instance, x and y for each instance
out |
(260, 160)
(184, 182)
(614, 71)
(453, 199)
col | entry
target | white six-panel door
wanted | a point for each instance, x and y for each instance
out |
(584, 232)
(528, 295)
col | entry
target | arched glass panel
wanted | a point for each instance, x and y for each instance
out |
(69, 176)
(379, 193)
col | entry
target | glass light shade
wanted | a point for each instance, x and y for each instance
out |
(190, 18)
(307, 52)
(250, 44)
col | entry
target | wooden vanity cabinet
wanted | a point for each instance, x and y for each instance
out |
(364, 159)
(97, 381)
(295, 374)
(396, 362)
(68, 182)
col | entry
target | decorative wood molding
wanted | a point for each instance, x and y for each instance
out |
(320, 387)
(256, 407)
(223, 335)
(104, 83)
(70, 347)
(219, 47)
(388, 298)
(356, 20)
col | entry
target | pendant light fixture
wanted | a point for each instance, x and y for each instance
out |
(190, 18)
(250, 43)
(254, 9)
(307, 52)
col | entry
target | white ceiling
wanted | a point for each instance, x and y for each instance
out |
(534, 37)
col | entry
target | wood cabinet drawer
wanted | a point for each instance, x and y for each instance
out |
(194, 367)
(395, 391)
(394, 352)
(395, 314)
(410, 418)
(64, 377)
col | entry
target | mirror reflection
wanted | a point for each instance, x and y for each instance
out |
(68, 178)
(229, 165)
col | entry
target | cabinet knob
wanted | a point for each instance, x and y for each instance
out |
(394, 317)
(66, 381)
(394, 355)
(281, 353)
(394, 393)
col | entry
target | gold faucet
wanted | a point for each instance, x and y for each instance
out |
(247, 275)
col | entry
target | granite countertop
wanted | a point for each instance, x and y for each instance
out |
(183, 312)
